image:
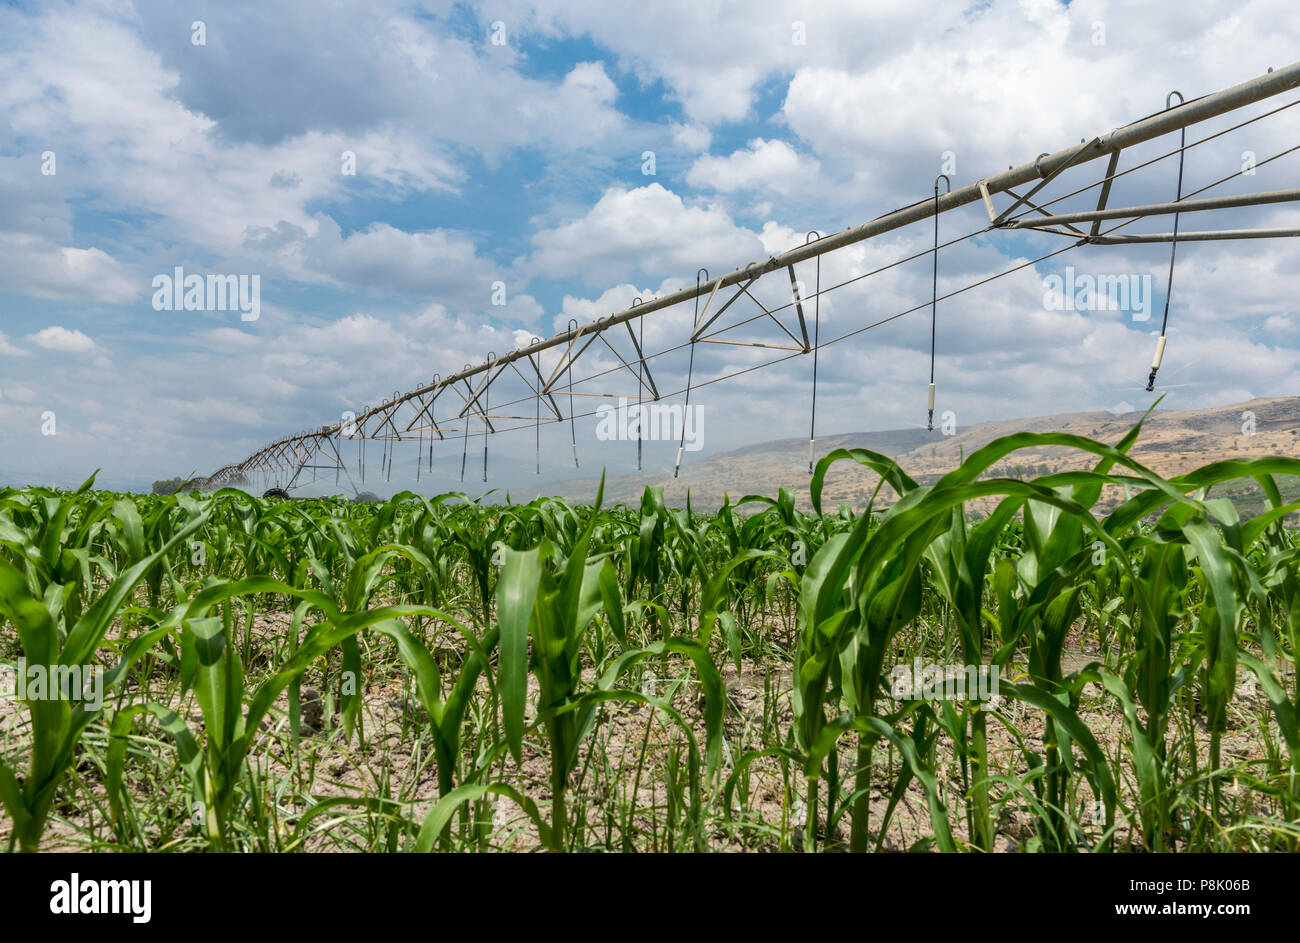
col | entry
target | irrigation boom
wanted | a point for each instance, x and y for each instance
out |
(318, 449)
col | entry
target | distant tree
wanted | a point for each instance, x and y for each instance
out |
(368, 497)
(168, 485)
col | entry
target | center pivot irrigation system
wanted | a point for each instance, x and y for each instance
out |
(429, 414)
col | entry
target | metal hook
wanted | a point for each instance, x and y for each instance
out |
(944, 178)
(1170, 96)
(812, 232)
(1038, 169)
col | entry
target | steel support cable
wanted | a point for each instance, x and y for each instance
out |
(758, 317)
(1280, 154)
(819, 345)
(847, 335)
(572, 323)
(1160, 344)
(670, 350)
(1249, 92)
(1208, 186)
(1147, 163)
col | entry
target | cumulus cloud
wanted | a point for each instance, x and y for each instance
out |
(31, 266)
(762, 165)
(648, 229)
(479, 164)
(691, 137)
(63, 340)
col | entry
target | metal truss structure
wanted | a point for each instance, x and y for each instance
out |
(541, 374)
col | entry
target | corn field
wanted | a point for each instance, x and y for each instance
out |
(445, 674)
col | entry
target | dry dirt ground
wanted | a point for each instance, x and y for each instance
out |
(628, 751)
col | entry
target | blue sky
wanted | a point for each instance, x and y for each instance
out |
(521, 162)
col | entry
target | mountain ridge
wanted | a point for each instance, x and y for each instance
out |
(1171, 442)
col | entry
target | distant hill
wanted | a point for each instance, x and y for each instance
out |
(1172, 442)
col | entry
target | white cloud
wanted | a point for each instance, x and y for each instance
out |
(32, 266)
(649, 229)
(691, 137)
(63, 340)
(762, 165)
(18, 394)
(232, 156)
(229, 338)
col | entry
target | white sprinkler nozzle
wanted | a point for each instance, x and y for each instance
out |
(1160, 352)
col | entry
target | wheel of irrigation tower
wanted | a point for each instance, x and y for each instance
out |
(275, 493)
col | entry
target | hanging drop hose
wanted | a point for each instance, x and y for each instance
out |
(640, 385)
(537, 428)
(568, 357)
(817, 330)
(464, 451)
(392, 453)
(690, 372)
(487, 390)
(934, 298)
(1173, 249)
(436, 380)
(361, 452)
